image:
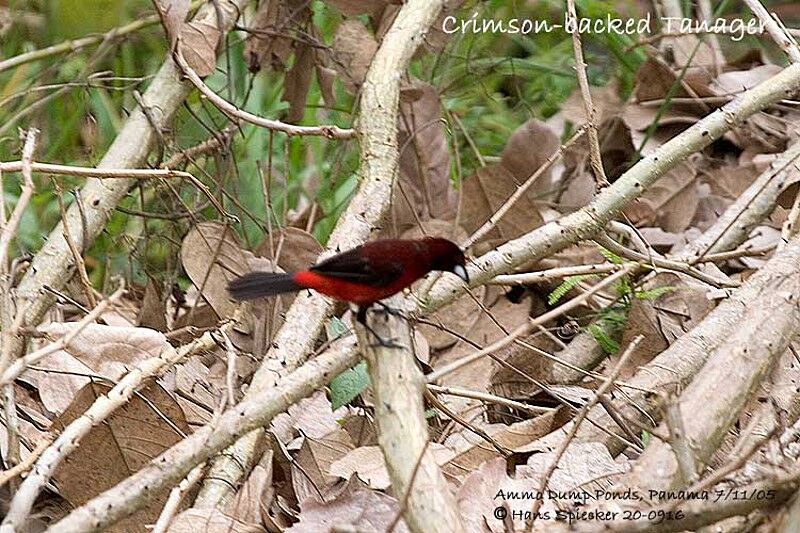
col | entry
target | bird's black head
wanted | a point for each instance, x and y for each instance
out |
(447, 256)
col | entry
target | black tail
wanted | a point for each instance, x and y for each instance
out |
(259, 284)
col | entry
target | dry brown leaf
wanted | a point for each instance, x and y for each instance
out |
(362, 510)
(210, 521)
(199, 40)
(670, 203)
(199, 395)
(583, 465)
(270, 41)
(312, 475)
(106, 351)
(424, 155)
(123, 444)
(353, 48)
(477, 497)
(642, 320)
(256, 493)
(475, 451)
(153, 313)
(730, 179)
(477, 375)
(325, 77)
(297, 248)
(298, 81)
(699, 55)
(509, 383)
(526, 150)
(212, 257)
(484, 193)
(351, 8)
(606, 100)
(367, 462)
(313, 417)
(653, 81)
(361, 430)
(683, 307)
(736, 81)
(173, 15)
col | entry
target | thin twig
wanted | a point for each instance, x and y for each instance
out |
(522, 189)
(99, 173)
(490, 398)
(175, 497)
(329, 131)
(680, 443)
(26, 166)
(16, 369)
(591, 113)
(782, 38)
(526, 327)
(576, 423)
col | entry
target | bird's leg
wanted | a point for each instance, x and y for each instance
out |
(361, 318)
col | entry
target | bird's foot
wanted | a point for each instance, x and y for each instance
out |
(385, 343)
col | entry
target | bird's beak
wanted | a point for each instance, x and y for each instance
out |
(461, 272)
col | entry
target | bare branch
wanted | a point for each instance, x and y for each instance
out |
(398, 386)
(331, 132)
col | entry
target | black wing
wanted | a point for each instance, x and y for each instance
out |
(352, 266)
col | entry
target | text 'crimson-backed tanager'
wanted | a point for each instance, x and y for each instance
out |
(363, 275)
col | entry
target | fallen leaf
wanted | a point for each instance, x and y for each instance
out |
(115, 449)
(670, 203)
(484, 193)
(198, 44)
(368, 463)
(526, 150)
(312, 474)
(212, 257)
(104, 351)
(313, 416)
(473, 451)
(424, 154)
(298, 81)
(153, 313)
(270, 40)
(353, 48)
(210, 521)
(477, 376)
(297, 249)
(583, 465)
(362, 510)
(256, 493)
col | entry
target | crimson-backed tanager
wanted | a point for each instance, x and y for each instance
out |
(364, 275)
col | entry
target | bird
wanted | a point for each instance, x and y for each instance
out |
(363, 276)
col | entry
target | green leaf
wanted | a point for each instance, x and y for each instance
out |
(565, 287)
(338, 327)
(349, 384)
(652, 294)
(608, 344)
(610, 256)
